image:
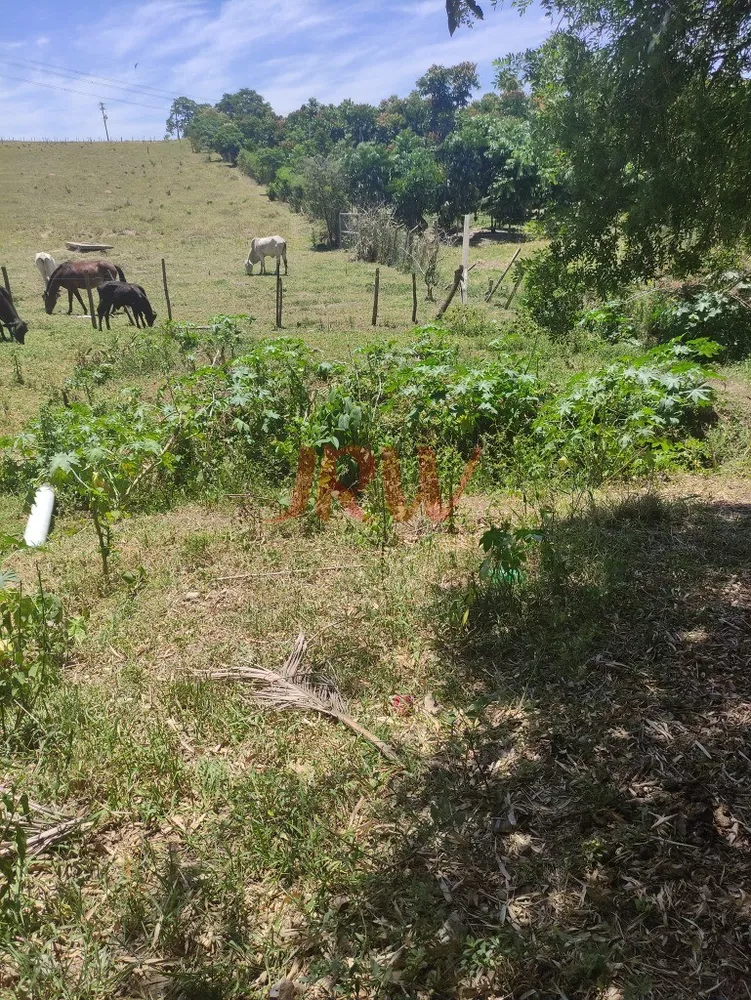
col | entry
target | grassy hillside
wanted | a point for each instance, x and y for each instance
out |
(154, 200)
(568, 814)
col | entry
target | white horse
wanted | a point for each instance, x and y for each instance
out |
(46, 265)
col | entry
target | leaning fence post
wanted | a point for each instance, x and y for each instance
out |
(166, 290)
(494, 288)
(375, 296)
(414, 297)
(513, 291)
(6, 282)
(458, 274)
(91, 301)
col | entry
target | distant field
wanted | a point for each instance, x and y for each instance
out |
(154, 200)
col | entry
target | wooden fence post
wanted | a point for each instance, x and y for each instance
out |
(465, 260)
(375, 296)
(457, 281)
(494, 288)
(6, 282)
(91, 302)
(166, 290)
(278, 319)
(414, 297)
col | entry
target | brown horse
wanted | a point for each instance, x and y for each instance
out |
(9, 318)
(74, 274)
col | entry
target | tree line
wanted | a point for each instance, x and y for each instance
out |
(436, 152)
(627, 133)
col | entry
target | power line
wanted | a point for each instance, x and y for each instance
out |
(109, 82)
(81, 93)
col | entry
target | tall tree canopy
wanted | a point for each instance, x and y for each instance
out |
(646, 109)
(181, 115)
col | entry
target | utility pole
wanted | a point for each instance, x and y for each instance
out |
(104, 119)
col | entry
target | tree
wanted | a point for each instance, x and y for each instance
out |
(515, 183)
(417, 179)
(396, 114)
(228, 141)
(644, 117)
(252, 115)
(180, 116)
(513, 102)
(211, 130)
(325, 192)
(204, 127)
(367, 169)
(314, 128)
(462, 12)
(447, 88)
(359, 120)
(467, 175)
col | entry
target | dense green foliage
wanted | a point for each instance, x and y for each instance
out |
(434, 152)
(642, 121)
(221, 424)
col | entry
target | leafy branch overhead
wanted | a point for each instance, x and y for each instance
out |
(462, 12)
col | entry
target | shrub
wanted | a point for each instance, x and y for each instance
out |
(553, 292)
(289, 186)
(629, 417)
(608, 321)
(469, 321)
(711, 313)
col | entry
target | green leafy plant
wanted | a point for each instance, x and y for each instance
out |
(629, 417)
(713, 313)
(33, 641)
(608, 321)
(217, 345)
(506, 552)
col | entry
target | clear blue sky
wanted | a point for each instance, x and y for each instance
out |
(288, 51)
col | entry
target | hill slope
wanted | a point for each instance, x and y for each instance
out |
(154, 200)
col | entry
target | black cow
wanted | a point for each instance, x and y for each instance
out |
(122, 295)
(10, 319)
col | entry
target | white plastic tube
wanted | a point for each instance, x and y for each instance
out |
(38, 525)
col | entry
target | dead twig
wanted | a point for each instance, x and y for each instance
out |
(286, 572)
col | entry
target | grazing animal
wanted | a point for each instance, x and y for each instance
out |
(121, 295)
(10, 319)
(46, 265)
(73, 275)
(266, 246)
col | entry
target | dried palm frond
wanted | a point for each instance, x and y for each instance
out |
(42, 826)
(293, 688)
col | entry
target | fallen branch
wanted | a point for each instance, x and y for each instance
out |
(39, 836)
(285, 572)
(291, 688)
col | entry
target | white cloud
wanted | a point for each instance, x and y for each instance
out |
(366, 50)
